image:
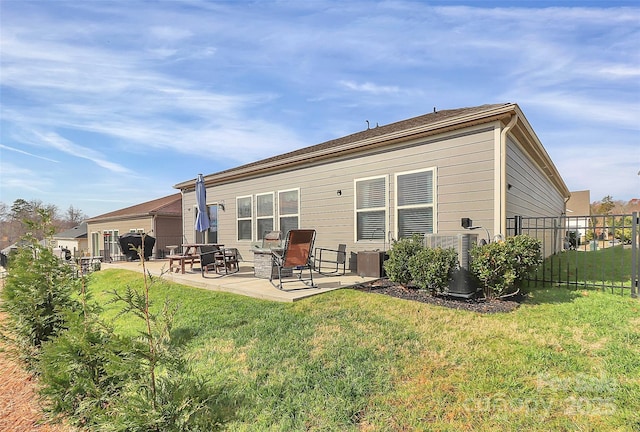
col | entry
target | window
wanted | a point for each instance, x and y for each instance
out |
(415, 202)
(244, 217)
(264, 214)
(212, 232)
(111, 245)
(371, 211)
(136, 230)
(289, 210)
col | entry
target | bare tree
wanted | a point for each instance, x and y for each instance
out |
(74, 216)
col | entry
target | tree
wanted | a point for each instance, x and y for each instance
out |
(22, 214)
(604, 207)
(74, 216)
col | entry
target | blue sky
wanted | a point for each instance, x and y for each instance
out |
(105, 104)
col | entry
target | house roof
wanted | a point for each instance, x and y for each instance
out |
(380, 136)
(167, 206)
(79, 231)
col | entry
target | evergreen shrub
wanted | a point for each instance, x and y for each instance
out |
(432, 268)
(501, 266)
(397, 266)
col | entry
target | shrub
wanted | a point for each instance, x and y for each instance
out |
(433, 268)
(181, 402)
(500, 266)
(84, 369)
(38, 291)
(397, 266)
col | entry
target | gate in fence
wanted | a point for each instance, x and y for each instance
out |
(601, 251)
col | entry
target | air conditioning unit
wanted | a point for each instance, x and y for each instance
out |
(463, 283)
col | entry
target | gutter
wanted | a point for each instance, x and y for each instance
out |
(502, 222)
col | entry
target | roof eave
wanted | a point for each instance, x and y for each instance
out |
(541, 156)
(446, 125)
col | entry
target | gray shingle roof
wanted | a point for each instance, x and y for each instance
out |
(169, 205)
(73, 233)
(445, 119)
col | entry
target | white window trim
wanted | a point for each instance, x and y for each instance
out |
(273, 212)
(433, 205)
(385, 208)
(95, 243)
(251, 218)
(114, 246)
(279, 215)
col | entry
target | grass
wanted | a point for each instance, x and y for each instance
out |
(347, 360)
(607, 268)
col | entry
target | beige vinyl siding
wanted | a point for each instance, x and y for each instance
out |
(121, 225)
(462, 161)
(531, 193)
(167, 232)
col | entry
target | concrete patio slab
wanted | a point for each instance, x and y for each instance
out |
(244, 282)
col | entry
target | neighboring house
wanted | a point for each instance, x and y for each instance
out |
(74, 239)
(160, 218)
(578, 215)
(421, 175)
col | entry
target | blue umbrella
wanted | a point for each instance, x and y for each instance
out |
(202, 219)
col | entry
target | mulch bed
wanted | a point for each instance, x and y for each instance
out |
(20, 410)
(386, 287)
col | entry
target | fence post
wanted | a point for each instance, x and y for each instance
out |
(635, 258)
(517, 225)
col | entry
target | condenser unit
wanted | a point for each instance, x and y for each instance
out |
(463, 284)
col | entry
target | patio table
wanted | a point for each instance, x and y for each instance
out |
(190, 255)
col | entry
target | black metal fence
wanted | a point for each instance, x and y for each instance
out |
(600, 251)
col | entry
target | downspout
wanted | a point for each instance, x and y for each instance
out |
(502, 223)
(155, 233)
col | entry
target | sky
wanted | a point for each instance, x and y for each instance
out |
(106, 104)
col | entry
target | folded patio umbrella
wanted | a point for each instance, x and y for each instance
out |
(202, 218)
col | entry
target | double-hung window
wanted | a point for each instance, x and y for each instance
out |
(264, 214)
(244, 217)
(371, 209)
(415, 202)
(289, 210)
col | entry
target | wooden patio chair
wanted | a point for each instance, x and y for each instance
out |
(335, 257)
(296, 256)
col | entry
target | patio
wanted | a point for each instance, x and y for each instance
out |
(244, 282)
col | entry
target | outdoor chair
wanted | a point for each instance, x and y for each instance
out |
(218, 259)
(296, 256)
(232, 258)
(335, 257)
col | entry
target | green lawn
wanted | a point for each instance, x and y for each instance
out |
(606, 267)
(347, 360)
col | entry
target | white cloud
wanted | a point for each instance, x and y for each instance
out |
(233, 83)
(64, 145)
(369, 87)
(27, 153)
(170, 34)
(22, 180)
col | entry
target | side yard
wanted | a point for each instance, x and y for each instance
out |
(353, 360)
(350, 360)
